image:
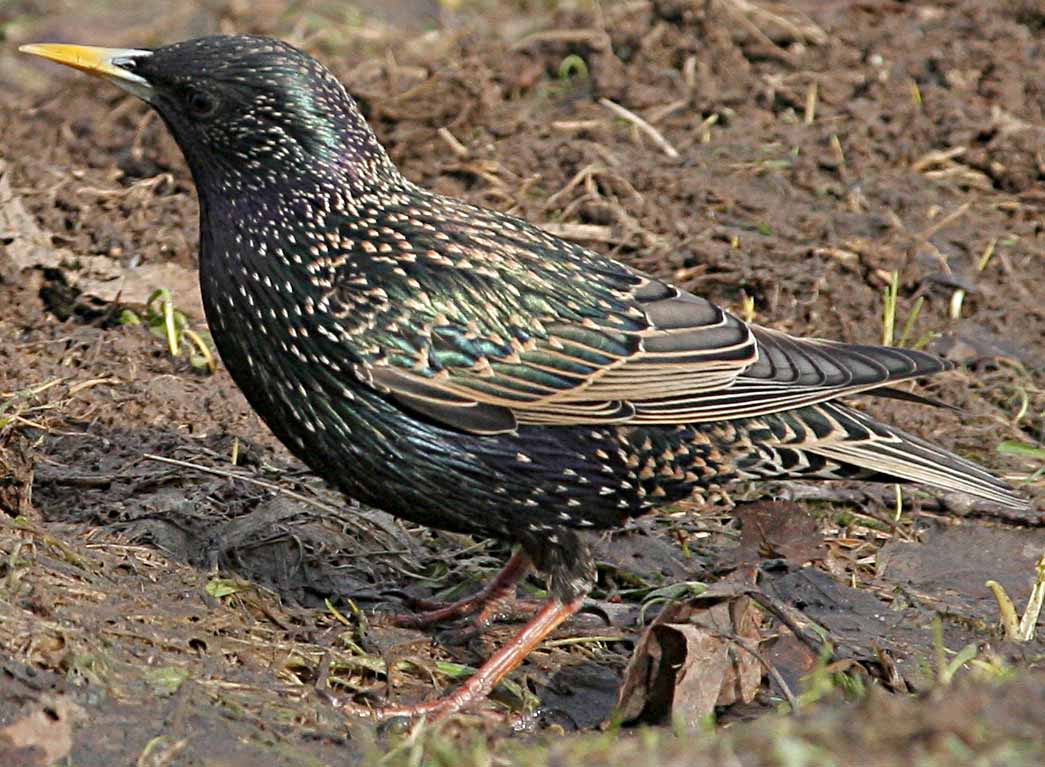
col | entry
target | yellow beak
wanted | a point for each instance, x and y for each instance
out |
(110, 63)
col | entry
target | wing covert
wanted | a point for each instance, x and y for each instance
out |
(497, 323)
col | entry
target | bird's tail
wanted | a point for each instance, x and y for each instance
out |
(833, 441)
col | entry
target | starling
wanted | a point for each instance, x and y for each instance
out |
(463, 369)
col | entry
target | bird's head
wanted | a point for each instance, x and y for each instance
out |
(247, 112)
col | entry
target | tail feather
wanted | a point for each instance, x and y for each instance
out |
(831, 441)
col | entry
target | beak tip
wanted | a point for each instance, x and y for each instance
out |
(101, 62)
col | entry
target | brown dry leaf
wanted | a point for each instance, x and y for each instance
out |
(690, 660)
(28, 246)
(25, 244)
(791, 657)
(778, 529)
(42, 737)
(744, 672)
(134, 286)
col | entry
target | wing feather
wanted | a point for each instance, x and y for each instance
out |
(693, 362)
(548, 332)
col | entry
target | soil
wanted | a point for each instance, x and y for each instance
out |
(177, 587)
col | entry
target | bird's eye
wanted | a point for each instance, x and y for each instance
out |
(201, 104)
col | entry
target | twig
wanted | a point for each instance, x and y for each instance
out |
(456, 146)
(642, 125)
(705, 127)
(580, 177)
(950, 218)
(598, 40)
(577, 125)
(793, 619)
(936, 157)
(785, 688)
(252, 481)
(810, 110)
(659, 113)
(805, 32)
(580, 232)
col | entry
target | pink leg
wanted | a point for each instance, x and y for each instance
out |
(482, 682)
(488, 604)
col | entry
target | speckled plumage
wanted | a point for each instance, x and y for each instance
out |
(463, 369)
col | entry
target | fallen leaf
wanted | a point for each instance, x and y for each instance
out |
(744, 672)
(778, 530)
(690, 660)
(857, 623)
(42, 736)
(134, 286)
(791, 657)
(947, 570)
(692, 670)
(27, 246)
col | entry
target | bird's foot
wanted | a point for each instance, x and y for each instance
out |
(506, 609)
(393, 715)
(482, 682)
(495, 602)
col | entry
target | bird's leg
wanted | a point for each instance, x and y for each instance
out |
(482, 682)
(495, 599)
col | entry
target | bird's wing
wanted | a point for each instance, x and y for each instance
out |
(793, 372)
(496, 323)
(569, 372)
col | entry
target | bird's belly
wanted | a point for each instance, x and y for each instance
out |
(536, 479)
(487, 485)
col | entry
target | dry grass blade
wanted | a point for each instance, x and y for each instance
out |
(581, 232)
(597, 39)
(654, 134)
(937, 157)
(788, 21)
(451, 141)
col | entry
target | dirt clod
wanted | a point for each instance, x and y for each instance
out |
(174, 587)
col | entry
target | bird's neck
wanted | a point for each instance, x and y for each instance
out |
(350, 176)
(290, 233)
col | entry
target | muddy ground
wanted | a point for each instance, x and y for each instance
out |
(177, 590)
